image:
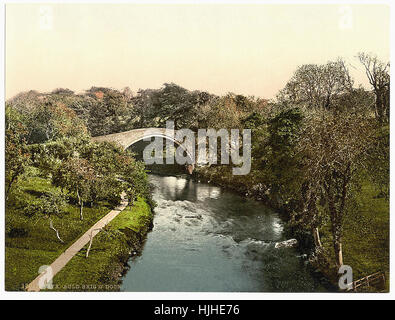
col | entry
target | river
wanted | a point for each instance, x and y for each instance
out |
(208, 239)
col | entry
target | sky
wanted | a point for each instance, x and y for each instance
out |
(246, 49)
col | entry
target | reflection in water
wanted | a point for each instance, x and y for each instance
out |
(207, 239)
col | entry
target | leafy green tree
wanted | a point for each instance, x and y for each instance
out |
(222, 113)
(25, 102)
(49, 156)
(49, 120)
(95, 171)
(49, 204)
(259, 129)
(117, 172)
(104, 158)
(135, 179)
(282, 166)
(17, 157)
(77, 176)
(62, 122)
(152, 108)
(109, 113)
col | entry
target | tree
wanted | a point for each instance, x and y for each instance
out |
(258, 125)
(104, 158)
(76, 175)
(334, 149)
(49, 204)
(153, 107)
(128, 93)
(63, 91)
(223, 112)
(281, 167)
(135, 179)
(109, 113)
(17, 157)
(117, 172)
(50, 120)
(25, 102)
(48, 156)
(95, 171)
(379, 77)
(357, 101)
(317, 86)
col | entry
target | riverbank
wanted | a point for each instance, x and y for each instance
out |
(366, 230)
(30, 243)
(111, 248)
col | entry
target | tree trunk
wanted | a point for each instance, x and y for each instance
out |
(339, 218)
(90, 242)
(337, 238)
(81, 208)
(317, 240)
(336, 229)
(8, 191)
(81, 203)
(57, 232)
(9, 186)
(337, 244)
(379, 107)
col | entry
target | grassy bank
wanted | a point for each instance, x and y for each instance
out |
(109, 253)
(30, 243)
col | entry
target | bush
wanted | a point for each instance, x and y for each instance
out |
(304, 237)
(49, 203)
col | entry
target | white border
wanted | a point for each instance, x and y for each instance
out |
(188, 295)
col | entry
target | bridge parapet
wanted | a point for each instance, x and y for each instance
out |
(128, 138)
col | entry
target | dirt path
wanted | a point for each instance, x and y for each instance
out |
(66, 256)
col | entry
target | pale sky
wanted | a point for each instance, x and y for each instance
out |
(246, 49)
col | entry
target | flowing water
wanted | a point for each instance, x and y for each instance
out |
(208, 239)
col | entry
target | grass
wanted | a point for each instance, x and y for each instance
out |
(133, 217)
(22, 265)
(29, 242)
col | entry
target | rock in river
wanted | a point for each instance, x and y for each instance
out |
(286, 244)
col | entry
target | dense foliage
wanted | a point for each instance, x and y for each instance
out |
(49, 136)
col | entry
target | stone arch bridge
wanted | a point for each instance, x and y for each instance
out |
(128, 138)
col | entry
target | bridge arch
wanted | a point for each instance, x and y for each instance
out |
(128, 138)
